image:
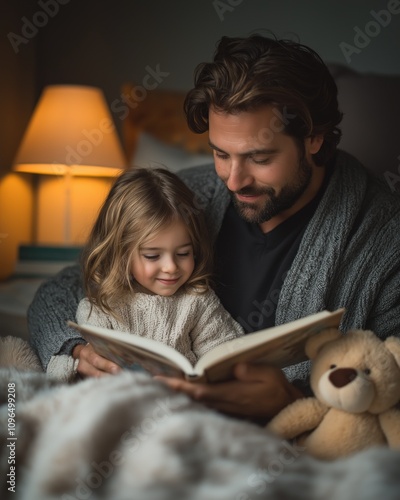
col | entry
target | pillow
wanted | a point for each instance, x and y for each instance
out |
(150, 152)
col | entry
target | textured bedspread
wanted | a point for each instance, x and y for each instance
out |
(127, 437)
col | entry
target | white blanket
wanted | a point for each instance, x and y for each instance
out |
(127, 437)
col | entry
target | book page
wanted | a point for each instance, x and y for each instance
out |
(128, 351)
(280, 346)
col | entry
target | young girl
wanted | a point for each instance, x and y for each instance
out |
(147, 266)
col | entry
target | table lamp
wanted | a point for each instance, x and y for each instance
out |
(71, 133)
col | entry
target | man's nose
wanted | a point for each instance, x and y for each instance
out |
(239, 176)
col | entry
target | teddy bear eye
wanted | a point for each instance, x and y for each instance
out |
(332, 367)
(367, 371)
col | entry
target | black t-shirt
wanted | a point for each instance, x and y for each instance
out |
(251, 266)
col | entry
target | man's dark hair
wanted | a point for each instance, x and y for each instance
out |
(251, 72)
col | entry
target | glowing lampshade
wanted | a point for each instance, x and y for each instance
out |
(71, 133)
(72, 130)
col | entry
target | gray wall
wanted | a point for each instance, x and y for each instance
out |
(17, 80)
(109, 43)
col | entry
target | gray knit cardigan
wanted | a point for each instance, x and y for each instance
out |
(349, 257)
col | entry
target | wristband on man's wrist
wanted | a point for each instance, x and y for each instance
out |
(75, 367)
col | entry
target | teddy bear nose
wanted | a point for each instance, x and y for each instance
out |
(342, 376)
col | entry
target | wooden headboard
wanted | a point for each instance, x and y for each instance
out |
(161, 115)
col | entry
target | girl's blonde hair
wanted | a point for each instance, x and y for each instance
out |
(141, 203)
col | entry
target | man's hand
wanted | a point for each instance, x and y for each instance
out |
(91, 364)
(259, 392)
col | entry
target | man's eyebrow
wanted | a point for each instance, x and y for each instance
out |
(213, 146)
(261, 151)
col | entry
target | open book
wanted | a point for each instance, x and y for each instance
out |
(280, 346)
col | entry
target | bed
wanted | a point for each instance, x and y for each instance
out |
(126, 437)
(154, 132)
(123, 437)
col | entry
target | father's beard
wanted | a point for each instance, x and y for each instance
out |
(275, 203)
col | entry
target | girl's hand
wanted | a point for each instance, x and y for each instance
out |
(92, 364)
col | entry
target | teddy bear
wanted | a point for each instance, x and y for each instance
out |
(355, 379)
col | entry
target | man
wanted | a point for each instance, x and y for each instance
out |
(298, 226)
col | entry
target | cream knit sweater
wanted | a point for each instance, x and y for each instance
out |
(191, 323)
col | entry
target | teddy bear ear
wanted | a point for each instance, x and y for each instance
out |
(392, 344)
(315, 343)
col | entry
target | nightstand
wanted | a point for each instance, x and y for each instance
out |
(35, 265)
(15, 296)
